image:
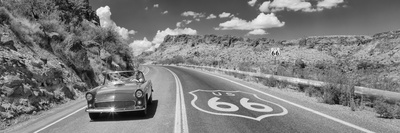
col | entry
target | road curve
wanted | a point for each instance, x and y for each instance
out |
(187, 100)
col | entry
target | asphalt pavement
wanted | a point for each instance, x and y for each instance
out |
(186, 100)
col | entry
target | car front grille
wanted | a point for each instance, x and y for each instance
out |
(115, 104)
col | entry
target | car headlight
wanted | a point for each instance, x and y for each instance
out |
(139, 93)
(89, 97)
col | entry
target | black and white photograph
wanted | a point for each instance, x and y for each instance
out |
(199, 66)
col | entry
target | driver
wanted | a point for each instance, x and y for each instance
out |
(138, 75)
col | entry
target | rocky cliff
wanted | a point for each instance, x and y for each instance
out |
(51, 53)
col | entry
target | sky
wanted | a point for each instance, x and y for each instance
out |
(145, 23)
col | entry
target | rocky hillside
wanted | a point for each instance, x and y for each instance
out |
(52, 51)
(368, 61)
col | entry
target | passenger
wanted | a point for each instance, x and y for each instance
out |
(115, 76)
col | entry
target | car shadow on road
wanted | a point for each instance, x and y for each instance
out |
(127, 116)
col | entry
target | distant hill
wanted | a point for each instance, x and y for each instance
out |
(371, 61)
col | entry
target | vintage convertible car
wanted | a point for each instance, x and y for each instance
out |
(120, 92)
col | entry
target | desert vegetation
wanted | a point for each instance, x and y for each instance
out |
(52, 51)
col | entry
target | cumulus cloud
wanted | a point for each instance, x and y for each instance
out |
(225, 15)
(155, 5)
(262, 21)
(265, 6)
(187, 21)
(159, 37)
(193, 14)
(183, 23)
(257, 32)
(252, 2)
(138, 46)
(179, 24)
(104, 14)
(328, 4)
(297, 5)
(211, 16)
(165, 12)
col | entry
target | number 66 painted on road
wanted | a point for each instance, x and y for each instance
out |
(235, 104)
(213, 103)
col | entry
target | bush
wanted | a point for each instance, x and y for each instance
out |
(177, 59)
(191, 61)
(385, 83)
(364, 65)
(271, 82)
(312, 91)
(5, 16)
(266, 70)
(238, 75)
(303, 42)
(299, 63)
(285, 71)
(387, 110)
(338, 94)
(245, 66)
(320, 65)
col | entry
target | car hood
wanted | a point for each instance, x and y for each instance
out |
(117, 92)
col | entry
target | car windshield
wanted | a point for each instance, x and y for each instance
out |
(120, 77)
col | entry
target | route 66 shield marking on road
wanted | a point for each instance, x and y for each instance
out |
(235, 103)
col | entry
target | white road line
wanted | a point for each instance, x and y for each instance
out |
(59, 120)
(181, 125)
(297, 105)
(184, 116)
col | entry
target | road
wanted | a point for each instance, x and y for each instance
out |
(186, 100)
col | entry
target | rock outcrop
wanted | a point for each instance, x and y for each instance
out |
(49, 60)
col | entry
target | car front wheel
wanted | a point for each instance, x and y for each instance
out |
(94, 116)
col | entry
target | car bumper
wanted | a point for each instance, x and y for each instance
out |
(113, 110)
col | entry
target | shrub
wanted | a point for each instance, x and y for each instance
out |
(284, 71)
(364, 65)
(272, 82)
(238, 75)
(385, 83)
(331, 94)
(299, 63)
(312, 91)
(338, 94)
(245, 66)
(303, 42)
(192, 61)
(5, 16)
(177, 59)
(266, 70)
(387, 110)
(320, 65)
